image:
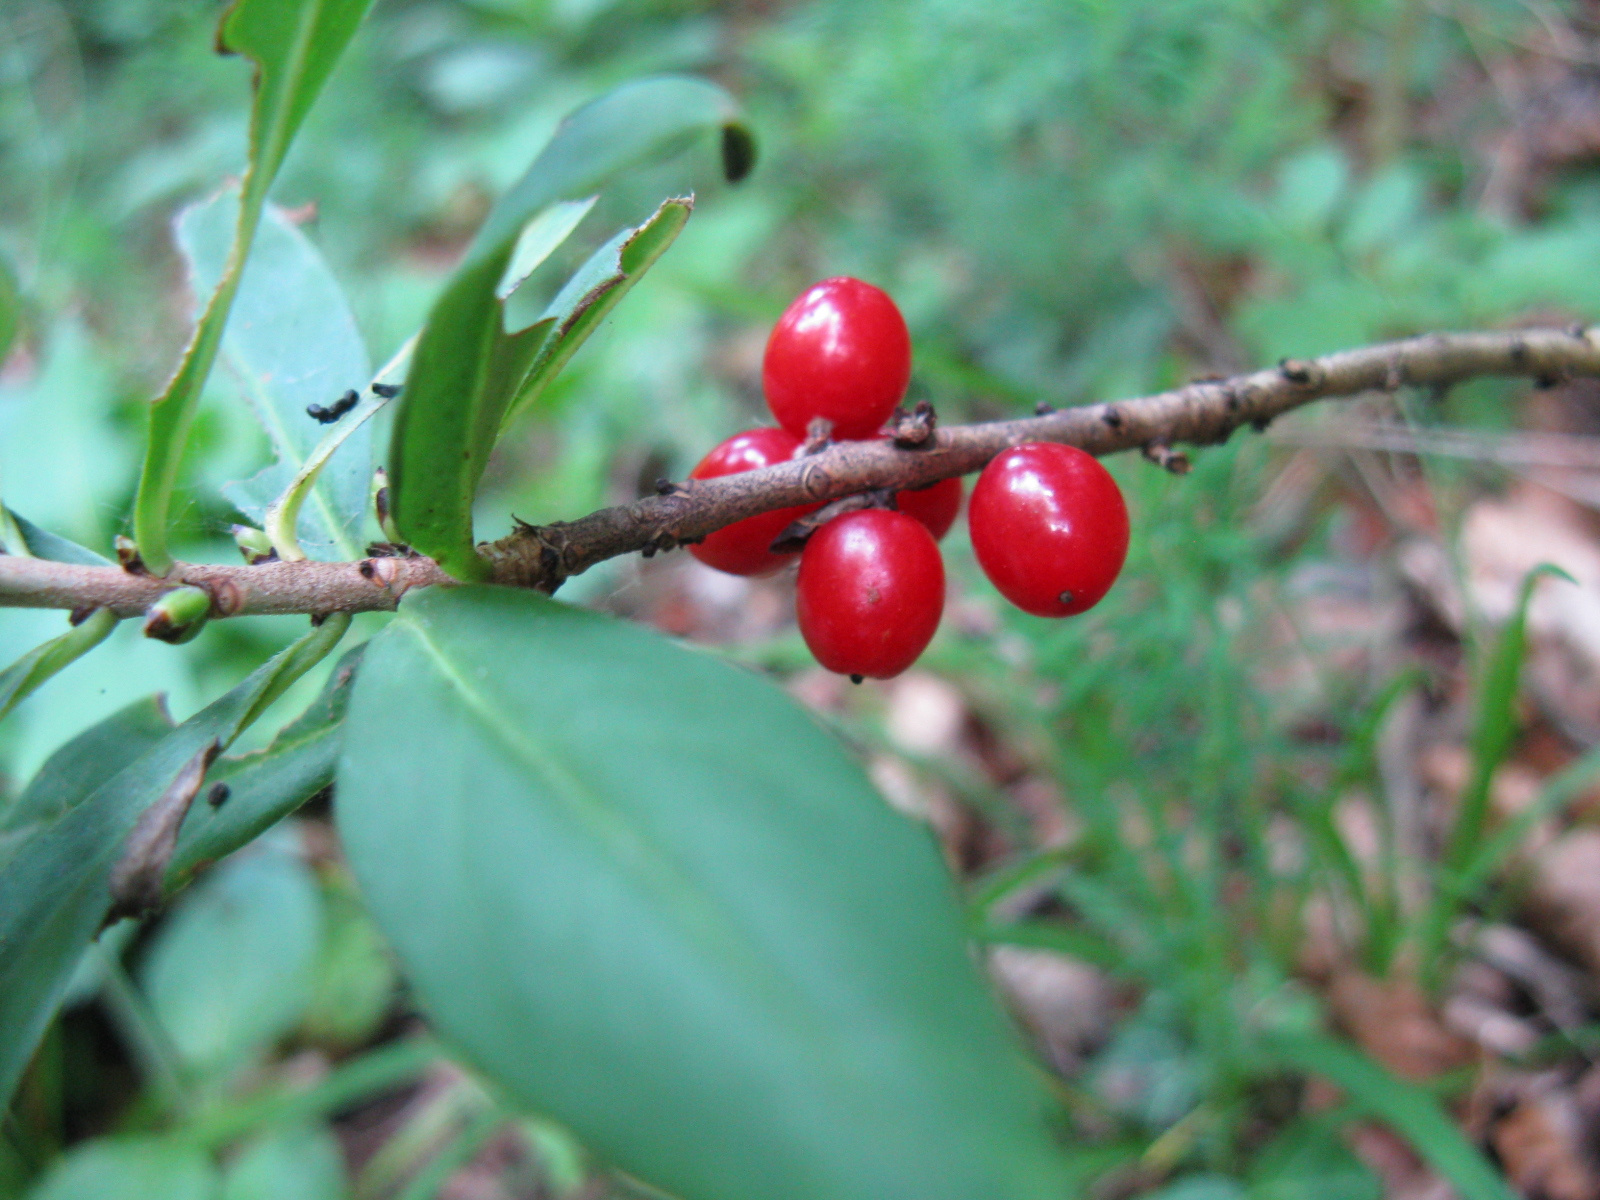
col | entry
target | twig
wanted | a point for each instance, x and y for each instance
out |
(1202, 413)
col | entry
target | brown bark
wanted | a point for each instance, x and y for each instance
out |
(542, 557)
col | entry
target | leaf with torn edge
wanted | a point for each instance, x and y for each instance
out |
(137, 874)
(294, 45)
(291, 342)
(597, 288)
(55, 882)
(468, 368)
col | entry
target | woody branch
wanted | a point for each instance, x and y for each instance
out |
(1202, 413)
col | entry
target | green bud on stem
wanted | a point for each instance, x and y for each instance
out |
(178, 616)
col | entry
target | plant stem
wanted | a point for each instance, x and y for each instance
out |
(542, 557)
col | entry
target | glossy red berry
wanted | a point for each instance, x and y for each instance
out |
(840, 351)
(1049, 527)
(742, 548)
(870, 592)
(935, 506)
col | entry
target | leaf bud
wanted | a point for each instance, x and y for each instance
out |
(253, 543)
(178, 616)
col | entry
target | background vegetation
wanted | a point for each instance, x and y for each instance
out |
(1218, 811)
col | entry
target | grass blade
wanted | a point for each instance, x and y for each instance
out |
(1407, 1109)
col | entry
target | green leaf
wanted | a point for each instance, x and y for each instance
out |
(1310, 1160)
(463, 373)
(231, 969)
(1040, 935)
(355, 976)
(40, 663)
(1496, 727)
(41, 543)
(303, 1163)
(10, 309)
(21, 536)
(648, 895)
(1493, 736)
(129, 1168)
(54, 886)
(267, 785)
(539, 238)
(294, 45)
(596, 289)
(393, 1065)
(73, 772)
(1407, 1109)
(1199, 1187)
(291, 342)
(629, 126)
(467, 369)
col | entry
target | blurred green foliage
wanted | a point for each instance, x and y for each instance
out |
(1072, 201)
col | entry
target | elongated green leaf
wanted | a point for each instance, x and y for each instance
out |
(129, 1168)
(72, 773)
(1039, 935)
(265, 787)
(40, 663)
(291, 342)
(1407, 1109)
(647, 894)
(294, 45)
(41, 543)
(1496, 727)
(539, 238)
(390, 1066)
(467, 369)
(1493, 735)
(463, 372)
(594, 291)
(12, 540)
(54, 886)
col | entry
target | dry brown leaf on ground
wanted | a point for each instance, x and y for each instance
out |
(1392, 1021)
(1404, 1175)
(1564, 893)
(1538, 1131)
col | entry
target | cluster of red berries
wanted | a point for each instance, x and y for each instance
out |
(1048, 523)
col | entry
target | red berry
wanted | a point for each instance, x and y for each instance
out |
(935, 506)
(840, 351)
(870, 592)
(742, 548)
(1049, 527)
